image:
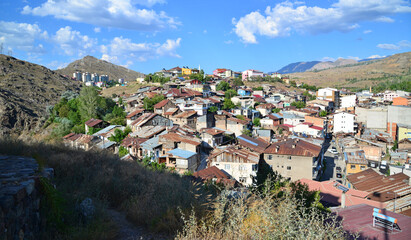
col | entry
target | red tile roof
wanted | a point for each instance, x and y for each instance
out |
(93, 122)
(294, 147)
(161, 103)
(178, 138)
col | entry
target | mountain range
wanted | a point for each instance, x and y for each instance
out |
(94, 65)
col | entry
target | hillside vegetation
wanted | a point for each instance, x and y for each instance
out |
(26, 89)
(93, 65)
(359, 75)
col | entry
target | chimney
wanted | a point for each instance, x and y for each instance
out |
(277, 148)
(293, 146)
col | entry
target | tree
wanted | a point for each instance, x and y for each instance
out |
(230, 93)
(238, 82)
(266, 178)
(298, 104)
(247, 132)
(88, 103)
(323, 113)
(119, 135)
(223, 86)
(150, 102)
(228, 104)
(213, 109)
(280, 131)
(256, 122)
(276, 110)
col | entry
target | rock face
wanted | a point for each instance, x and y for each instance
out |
(93, 65)
(26, 89)
(20, 196)
(298, 67)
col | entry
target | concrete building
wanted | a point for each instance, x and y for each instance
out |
(397, 115)
(331, 94)
(348, 101)
(373, 118)
(404, 132)
(249, 74)
(344, 122)
(86, 77)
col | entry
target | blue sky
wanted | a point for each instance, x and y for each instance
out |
(148, 35)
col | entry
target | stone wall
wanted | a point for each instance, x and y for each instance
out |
(20, 196)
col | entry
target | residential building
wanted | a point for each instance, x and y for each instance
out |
(188, 118)
(243, 101)
(402, 101)
(94, 123)
(348, 101)
(331, 94)
(150, 119)
(265, 109)
(355, 161)
(272, 121)
(212, 136)
(237, 126)
(162, 107)
(404, 131)
(344, 122)
(397, 115)
(294, 159)
(249, 74)
(181, 160)
(215, 175)
(239, 163)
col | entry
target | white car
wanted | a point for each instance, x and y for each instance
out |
(333, 151)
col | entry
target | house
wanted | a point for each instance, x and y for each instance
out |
(294, 158)
(133, 145)
(348, 101)
(150, 119)
(162, 107)
(252, 144)
(308, 129)
(239, 163)
(397, 115)
(188, 118)
(331, 94)
(243, 101)
(107, 132)
(395, 188)
(148, 131)
(265, 109)
(324, 105)
(181, 160)
(345, 123)
(94, 123)
(237, 126)
(244, 92)
(70, 139)
(403, 132)
(250, 74)
(264, 134)
(215, 175)
(85, 142)
(292, 118)
(205, 121)
(212, 137)
(331, 196)
(355, 161)
(171, 141)
(131, 117)
(402, 101)
(151, 148)
(271, 121)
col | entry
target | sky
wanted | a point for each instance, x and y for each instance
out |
(149, 35)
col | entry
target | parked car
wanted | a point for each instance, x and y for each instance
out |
(339, 175)
(383, 165)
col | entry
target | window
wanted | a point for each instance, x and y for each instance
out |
(227, 166)
(288, 167)
(242, 168)
(362, 167)
(255, 167)
(242, 179)
(353, 166)
(270, 157)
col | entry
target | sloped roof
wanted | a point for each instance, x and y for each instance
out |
(178, 138)
(257, 145)
(232, 119)
(143, 119)
(186, 114)
(294, 147)
(93, 122)
(182, 153)
(245, 155)
(161, 103)
(132, 114)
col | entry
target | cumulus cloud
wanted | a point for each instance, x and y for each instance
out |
(73, 42)
(367, 31)
(22, 36)
(106, 13)
(124, 51)
(285, 18)
(375, 56)
(97, 29)
(400, 45)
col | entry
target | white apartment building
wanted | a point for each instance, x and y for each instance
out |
(248, 74)
(344, 122)
(348, 101)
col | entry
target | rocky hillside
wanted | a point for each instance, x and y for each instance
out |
(359, 74)
(93, 65)
(298, 67)
(26, 89)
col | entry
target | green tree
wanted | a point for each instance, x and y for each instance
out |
(64, 111)
(323, 113)
(280, 131)
(213, 109)
(119, 135)
(247, 132)
(88, 103)
(230, 93)
(298, 104)
(256, 122)
(228, 104)
(238, 82)
(223, 86)
(122, 151)
(150, 102)
(276, 110)
(266, 179)
(241, 117)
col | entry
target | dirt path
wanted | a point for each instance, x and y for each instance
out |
(128, 231)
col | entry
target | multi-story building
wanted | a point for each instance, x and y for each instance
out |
(344, 122)
(95, 77)
(294, 159)
(397, 115)
(86, 77)
(249, 74)
(348, 101)
(331, 94)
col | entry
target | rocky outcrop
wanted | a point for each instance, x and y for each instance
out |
(20, 198)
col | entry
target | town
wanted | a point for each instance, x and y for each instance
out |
(215, 128)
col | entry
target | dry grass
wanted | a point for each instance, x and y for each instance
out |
(131, 88)
(149, 198)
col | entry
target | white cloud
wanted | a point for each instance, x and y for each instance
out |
(122, 50)
(22, 36)
(285, 18)
(106, 13)
(385, 19)
(367, 31)
(73, 43)
(328, 59)
(97, 29)
(400, 45)
(228, 42)
(355, 58)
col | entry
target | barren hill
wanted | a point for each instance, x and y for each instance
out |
(359, 74)
(26, 89)
(337, 63)
(93, 65)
